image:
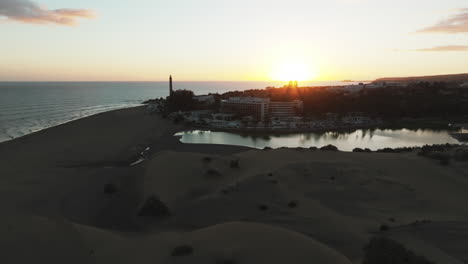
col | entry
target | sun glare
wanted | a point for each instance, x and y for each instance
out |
(293, 71)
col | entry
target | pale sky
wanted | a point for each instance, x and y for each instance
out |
(207, 40)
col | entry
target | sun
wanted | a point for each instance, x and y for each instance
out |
(296, 71)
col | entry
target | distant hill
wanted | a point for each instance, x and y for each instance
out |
(435, 78)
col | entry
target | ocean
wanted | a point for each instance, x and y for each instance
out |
(26, 107)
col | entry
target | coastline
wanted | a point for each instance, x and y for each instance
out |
(320, 204)
(69, 121)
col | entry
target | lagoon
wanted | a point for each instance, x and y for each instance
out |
(373, 139)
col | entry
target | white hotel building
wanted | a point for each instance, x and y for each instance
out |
(261, 108)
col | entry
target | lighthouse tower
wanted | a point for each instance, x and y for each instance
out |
(171, 91)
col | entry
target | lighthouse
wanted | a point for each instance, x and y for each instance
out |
(171, 91)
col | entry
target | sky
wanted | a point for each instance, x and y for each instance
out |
(224, 40)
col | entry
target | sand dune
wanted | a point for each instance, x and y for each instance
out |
(342, 198)
(275, 207)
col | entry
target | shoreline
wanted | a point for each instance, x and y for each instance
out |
(69, 121)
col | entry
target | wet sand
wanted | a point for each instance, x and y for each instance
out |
(277, 206)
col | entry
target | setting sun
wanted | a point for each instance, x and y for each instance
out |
(293, 71)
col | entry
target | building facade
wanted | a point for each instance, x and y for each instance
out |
(261, 108)
(285, 109)
(206, 99)
(253, 106)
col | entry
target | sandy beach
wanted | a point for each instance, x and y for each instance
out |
(69, 195)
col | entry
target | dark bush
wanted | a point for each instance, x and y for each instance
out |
(234, 164)
(212, 173)
(384, 228)
(110, 188)
(313, 148)
(182, 251)
(382, 250)
(386, 150)
(358, 150)
(395, 150)
(367, 150)
(154, 207)
(267, 148)
(293, 204)
(329, 148)
(270, 174)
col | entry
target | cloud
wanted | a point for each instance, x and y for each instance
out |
(27, 11)
(457, 23)
(446, 48)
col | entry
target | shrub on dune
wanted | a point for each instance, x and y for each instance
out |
(154, 207)
(293, 204)
(384, 228)
(358, 150)
(366, 150)
(212, 173)
(329, 148)
(387, 150)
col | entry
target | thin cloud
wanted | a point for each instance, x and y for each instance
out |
(27, 11)
(457, 23)
(446, 48)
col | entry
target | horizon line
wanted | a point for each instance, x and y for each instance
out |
(59, 81)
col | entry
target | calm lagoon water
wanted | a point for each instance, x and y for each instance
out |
(372, 139)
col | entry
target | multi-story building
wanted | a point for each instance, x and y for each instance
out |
(285, 109)
(205, 99)
(261, 108)
(254, 106)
